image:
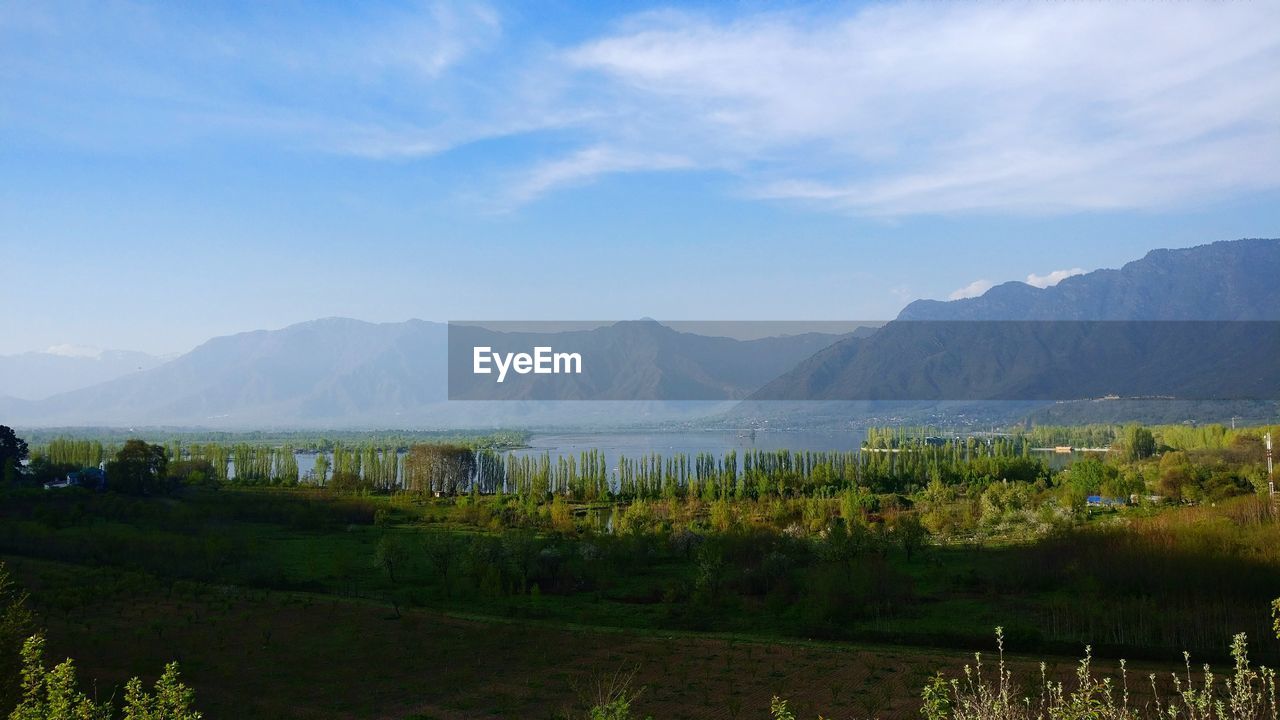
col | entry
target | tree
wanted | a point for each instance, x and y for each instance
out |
(15, 626)
(13, 450)
(54, 693)
(193, 472)
(1087, 477)
(441, 468)
(344, 481)
(389, 554)
(1136, 443)
(1177, 477)
(170, 699)
(911, 533)
(138, 469)
(320, 473)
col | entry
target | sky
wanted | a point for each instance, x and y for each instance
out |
(171, 172)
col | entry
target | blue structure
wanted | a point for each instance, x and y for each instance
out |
(1099, 501)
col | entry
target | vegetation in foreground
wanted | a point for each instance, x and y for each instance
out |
(693, 677)
(984, 533)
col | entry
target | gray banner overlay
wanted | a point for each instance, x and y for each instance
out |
(863, 360)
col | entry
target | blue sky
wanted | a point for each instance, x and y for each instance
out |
(174, 171)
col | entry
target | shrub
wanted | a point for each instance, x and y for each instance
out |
(1248, 694)
(54, 694)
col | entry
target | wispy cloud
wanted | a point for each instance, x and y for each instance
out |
(973, 289)
(1052, 278)
(920, 108)
(886, 109)
(587, 164)
(372, 80)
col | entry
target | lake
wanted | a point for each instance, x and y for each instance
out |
(691, 442)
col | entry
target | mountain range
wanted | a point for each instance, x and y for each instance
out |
(343, 372)
(339, 371)
(37, 375)
(1192, 324)
(1228, 280)
(635, 360)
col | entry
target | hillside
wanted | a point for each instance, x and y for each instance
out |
(1087, 337)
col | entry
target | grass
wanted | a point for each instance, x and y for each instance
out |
(264, 654)
(1124, 587)
(273, 603)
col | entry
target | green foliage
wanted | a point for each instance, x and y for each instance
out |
(778, 709)
(1087, 477)
(1247, 694)
(75, 453)
(54, 694)
(613, 697)
(1136, 443)
(168, 700)
(196, 473)
(15, 626)
(13, 450)
(439, 468)
(138, 469)
(910, 533)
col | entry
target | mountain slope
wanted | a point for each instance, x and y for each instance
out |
(969, 349)
(634, 360)
(36, 375)
(314, 370)
(339, 371)
(1228, 280)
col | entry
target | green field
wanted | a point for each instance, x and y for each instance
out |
(271, 654)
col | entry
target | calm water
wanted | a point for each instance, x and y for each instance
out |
(691, 442)
(716, 442)
(637, 444)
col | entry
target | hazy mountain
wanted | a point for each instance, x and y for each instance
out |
(636, 360)
(1229, 280)
(1022, 360)
(926, 354)
(320, 369)
(36, 375)
(347, 372)
(340, 372)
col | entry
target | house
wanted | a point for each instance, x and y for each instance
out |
(89, 478)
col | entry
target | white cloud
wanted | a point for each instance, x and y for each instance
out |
(585, 165)
(922, 108)
(973, 289)
(882, 109)
(1053, 278)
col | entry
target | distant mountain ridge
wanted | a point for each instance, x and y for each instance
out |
(37, 375)
(1227, 280)
(318, 369)
(1021, 342)
(636, 360)
(338, 371)
(343, 372)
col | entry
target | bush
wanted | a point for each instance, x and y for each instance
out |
(54, 694)
(1248, 694)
